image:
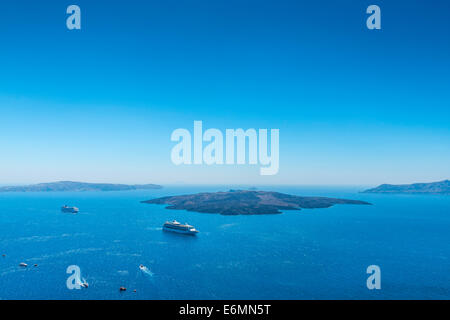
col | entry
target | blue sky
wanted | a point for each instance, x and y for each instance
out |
(353, 106)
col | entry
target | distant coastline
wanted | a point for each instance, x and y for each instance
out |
(72, 186)
(440, 187)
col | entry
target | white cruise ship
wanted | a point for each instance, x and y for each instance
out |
(175, 226)
(69, 209)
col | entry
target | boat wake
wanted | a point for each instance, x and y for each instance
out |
(146, 270)
(82, 283)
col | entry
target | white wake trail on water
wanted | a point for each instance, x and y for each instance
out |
(146, 270)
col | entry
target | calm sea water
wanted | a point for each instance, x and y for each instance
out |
(308, 254)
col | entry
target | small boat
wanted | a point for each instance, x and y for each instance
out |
(122, 289)
(175, 226)
(23, 264)
(145, 270)
(70, 209)
(85, 285)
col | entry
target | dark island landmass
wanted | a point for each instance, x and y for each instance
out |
(236, 202)
(441, 187)
(66, 186)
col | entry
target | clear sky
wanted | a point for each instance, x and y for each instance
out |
(354, 106)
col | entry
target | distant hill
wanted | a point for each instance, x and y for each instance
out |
(246, 202)
(441, 187)
(65, 186)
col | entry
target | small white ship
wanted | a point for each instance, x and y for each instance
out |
(175, 226)
(70, 209)
(146, 270)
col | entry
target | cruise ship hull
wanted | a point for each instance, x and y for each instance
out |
(181, 231)
(69, 210)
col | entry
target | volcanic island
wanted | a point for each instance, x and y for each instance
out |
(247, 202)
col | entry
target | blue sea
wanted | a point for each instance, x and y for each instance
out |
(307, 254)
